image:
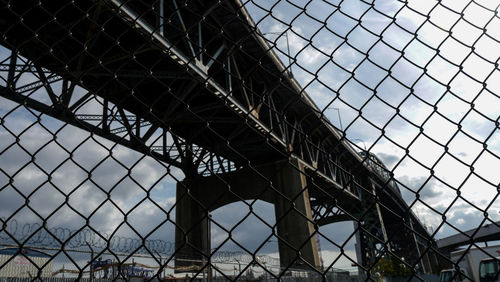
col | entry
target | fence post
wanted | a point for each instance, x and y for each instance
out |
(91, 274)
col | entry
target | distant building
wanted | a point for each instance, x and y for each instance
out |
(24, 263)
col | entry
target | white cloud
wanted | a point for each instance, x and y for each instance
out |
(446, 115)
(442, 126)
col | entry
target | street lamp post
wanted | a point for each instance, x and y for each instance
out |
(364, 144)
(338, 113)
(287, 48)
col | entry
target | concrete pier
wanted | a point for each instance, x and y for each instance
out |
(282, 184)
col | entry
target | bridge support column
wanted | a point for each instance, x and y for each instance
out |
(191, 235)
(297, 244)
(281, 183)
(371, 234)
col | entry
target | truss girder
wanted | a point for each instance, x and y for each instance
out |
(193, 80)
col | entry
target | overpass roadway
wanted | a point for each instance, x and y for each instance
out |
(199, 75)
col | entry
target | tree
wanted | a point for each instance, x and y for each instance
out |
(390, 266)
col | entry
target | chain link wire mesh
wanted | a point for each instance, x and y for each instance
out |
(249, 140)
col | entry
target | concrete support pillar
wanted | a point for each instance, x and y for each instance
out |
(297, 244)
(425, 261)
(371, 233)
(191, 234)
(436, 267)
(281, 183)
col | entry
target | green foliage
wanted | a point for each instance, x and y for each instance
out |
(392, 267)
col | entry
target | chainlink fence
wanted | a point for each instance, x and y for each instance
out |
(249, 140)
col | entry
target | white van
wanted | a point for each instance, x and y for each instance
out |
(450, 275)
(489, 270)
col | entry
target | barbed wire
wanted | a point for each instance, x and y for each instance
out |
(218, 110)
(34, 235)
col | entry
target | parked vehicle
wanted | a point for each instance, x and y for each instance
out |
(489, 270)
(450, 275)
(469, 260)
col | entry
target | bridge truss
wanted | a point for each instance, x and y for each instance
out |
(196, 86)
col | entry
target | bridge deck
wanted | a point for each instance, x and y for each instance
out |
(92, 44)
(228, 93)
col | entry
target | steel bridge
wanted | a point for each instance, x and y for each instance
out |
(197, 86)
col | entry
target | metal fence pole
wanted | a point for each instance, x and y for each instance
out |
(91, 273)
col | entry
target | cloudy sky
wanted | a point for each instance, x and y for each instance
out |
(422, 93)
(401, 80)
